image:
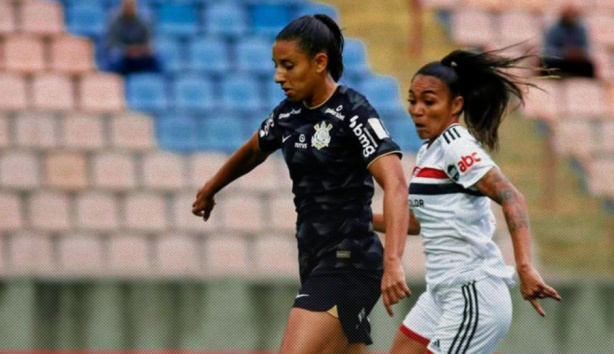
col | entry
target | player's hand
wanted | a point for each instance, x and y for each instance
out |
(203, 204)
(394, 286)
(533, 287)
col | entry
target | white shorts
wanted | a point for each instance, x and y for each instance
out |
(472, 318)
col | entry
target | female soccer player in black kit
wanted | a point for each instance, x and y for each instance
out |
(333, 143)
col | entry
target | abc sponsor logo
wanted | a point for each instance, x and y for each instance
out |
(467, 161)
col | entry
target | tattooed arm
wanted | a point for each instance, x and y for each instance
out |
(498, 188)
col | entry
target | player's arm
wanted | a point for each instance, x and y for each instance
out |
(500, 189)
(412, 229)
(388, 173)
(241, 162)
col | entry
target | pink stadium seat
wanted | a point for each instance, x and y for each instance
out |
(5, 135)
(66, 170)
(609, 98)
(50, 211)
(101, 93)
(36, 130)
(164, 171)
(83, 132)
(114, 171)
(414, 260)
(24, 53)
(97, 211)
(487, 5)
(31, 253)
(528, 5)
(81, 254)
(440, 4)
(519, 26)
(283, 214)
(19, 170)
(546, 102)
(145, 212)
(584, 98)
(53, 92)
(473, 28)
(569, 132)
(276, 255)
(607, 131)
(204, 165)
(184, 220)
(607, 5)
(604, 63)
(7, 17)
(226, 255)
(42, 17)
(242, 212)
(132, 131)
(10, 212)
(129, 254)
(177, 254)
(263, 178)
(72, 55)
(12, 92)
(601, 170)
(600, 27)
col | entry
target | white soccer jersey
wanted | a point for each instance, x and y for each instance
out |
(456, 222)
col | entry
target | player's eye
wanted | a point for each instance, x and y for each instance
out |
(412, 101)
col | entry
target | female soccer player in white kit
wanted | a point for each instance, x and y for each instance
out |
(466, 307)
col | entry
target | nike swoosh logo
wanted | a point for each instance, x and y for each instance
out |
(284, 138)
(301, 295)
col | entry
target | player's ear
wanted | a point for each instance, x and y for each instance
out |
(320, 61)
(457, 105)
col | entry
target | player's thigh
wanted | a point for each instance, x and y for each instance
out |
(405, 345)
(311, 332)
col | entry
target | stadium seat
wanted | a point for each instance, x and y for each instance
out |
(241, 93)
(600, 27)
(31, 253)
(5, 133)
(219, 249)
(225, 19)
(86, 19)
(604, 63)
(355, 57)
(284, 216)
(276, 256)
(254, 56)
(544, 102)
(440, 4)
(485, 5)
(600, 172)
(519, 26)
(81, 254)
(274, 95)
(403, 132)
(82, 132)
(605, 5)
(66, 171)
(382, 92)
(312, 8)
(472, 28)
(132, 131)
(584, 98)
(10, 217)
(222, 133)
(36, 130)
(114, 171)
(50, 211)
(53, 92)
(101, 93)
(147, 92)
(569, 132)
(24, 53)
(178, 254)
(41, 17)
(177, 19)
(12, 92)
(208, 55)
(7, 17)
(145, 211)
(607, 134)
(203, 165)
(193, 94)
(269, 18)
(171, 52)
(243, 213)
(535, 6)
(163, 171)
(183, 219)
(177, 133)
(97, 211)
(129, 254)
(263, 178)
(72, 55)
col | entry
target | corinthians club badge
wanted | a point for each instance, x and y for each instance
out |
(321, 138)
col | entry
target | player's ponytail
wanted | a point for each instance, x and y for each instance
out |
(486, 85)
(317, 34)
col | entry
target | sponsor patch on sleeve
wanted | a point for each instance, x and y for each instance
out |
(378, 128)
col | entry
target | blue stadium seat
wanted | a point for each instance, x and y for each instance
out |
(269, 18)
(86, 19)
(209, 54)
(274, 94)
(241, 93)
(224, 132)
(177, 132)
(147, 92)
(403, 131)
(177, 18)
(382, 92)
(355, 57)
(226, 19)
(254, 55)
(312, 8)
(171, 52)
(193, 94)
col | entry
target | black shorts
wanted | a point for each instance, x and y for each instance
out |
(354, 295)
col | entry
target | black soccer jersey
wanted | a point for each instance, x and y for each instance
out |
(328, 149)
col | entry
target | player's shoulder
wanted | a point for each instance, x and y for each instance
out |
(457, 137)
(354, 100)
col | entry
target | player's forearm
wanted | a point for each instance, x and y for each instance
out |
(517, 219)
(395, 220)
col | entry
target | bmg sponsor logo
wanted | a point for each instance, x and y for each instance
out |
(366, 140)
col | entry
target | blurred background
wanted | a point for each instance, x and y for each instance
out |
(113, 115)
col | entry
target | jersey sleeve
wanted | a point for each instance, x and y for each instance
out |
(466, 161)
(367, 129)
(269, 138)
